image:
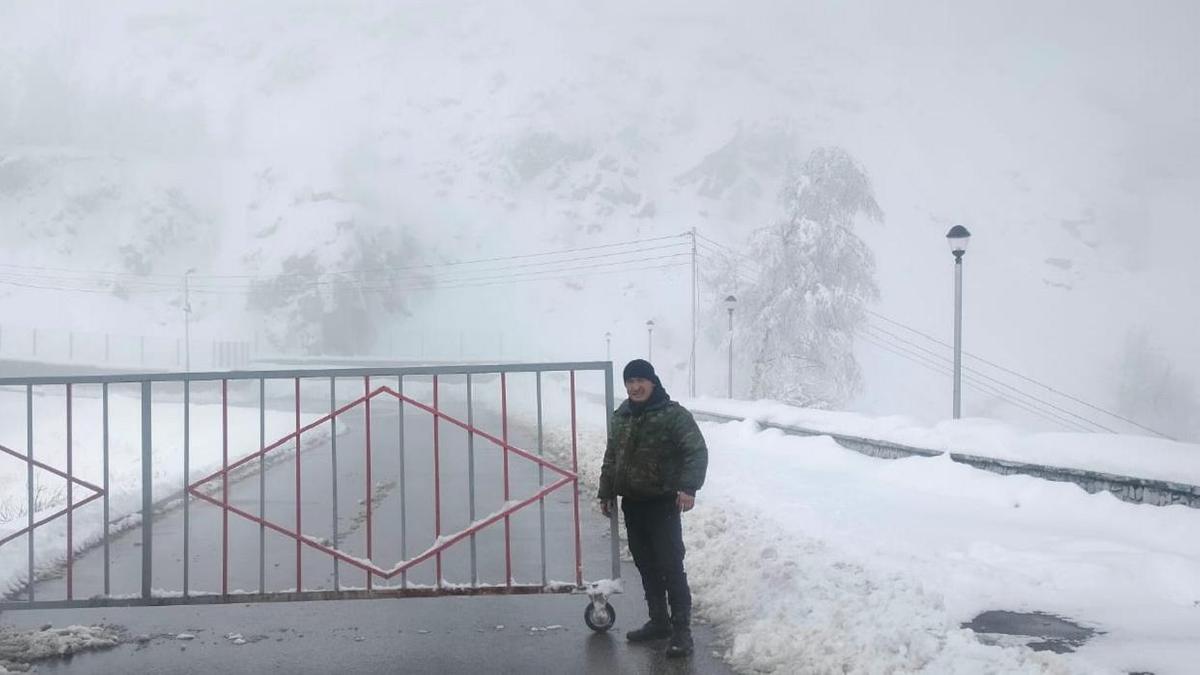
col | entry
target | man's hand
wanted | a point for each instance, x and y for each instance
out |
(606, 506)
(684, 501)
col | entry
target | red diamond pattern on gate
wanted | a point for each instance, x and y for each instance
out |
(97, 492)
(442, 543)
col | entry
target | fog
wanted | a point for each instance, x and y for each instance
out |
(375, 150)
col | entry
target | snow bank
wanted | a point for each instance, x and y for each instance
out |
(19, 648)
(814, 557)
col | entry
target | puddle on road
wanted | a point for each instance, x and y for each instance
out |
(1038, 631)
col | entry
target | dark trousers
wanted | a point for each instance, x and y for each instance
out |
(655, 534)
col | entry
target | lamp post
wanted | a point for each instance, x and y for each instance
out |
(958, 237)
(730, 303)
(187, 322)
(607, 345)
(650, 340)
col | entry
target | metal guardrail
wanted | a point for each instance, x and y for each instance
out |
(253, 390)
(1126, 488)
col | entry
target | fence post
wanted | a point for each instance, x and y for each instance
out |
(147, 491)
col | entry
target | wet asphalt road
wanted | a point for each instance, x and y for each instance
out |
(494, 634)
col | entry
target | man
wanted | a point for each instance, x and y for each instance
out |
(655, 460)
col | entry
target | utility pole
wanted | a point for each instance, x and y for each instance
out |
(730, 303)
(650, 340)
(695, 305)
(187, 322)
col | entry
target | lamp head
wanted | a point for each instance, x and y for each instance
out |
(958, 237)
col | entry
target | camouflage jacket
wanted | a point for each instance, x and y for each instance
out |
(655, 453)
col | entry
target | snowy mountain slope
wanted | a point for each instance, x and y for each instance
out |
(374, 135)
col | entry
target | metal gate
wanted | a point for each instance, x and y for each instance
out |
(112, 450)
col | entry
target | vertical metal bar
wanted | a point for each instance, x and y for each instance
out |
(541, 480)
(224, 487)
(70, 506)
(147, 490)
(187, 473)
(575, 487)
(29, 484)
(471, 476)
(369, 495)
(614, 539)
(104, 441)
(299, 579)
(334, 475)
(437, 479)
(504, 437)
(262, 485)
(403, 499)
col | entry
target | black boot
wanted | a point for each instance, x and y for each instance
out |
(652, 630)
(657, 628)
(681, 641)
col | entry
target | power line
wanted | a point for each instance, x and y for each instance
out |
(557, 278)
(613, 267)
(175, 277)
(989, 378)
(388, 283)
(623, 265)
(982, 377)
(1019, 375)
(729, 250)
(976, 384)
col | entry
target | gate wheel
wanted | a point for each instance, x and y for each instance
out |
(599, 621)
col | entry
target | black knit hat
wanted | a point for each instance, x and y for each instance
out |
(640, 368)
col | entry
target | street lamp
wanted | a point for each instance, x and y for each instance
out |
(650, 340)
(958, 237)
(607, 346)
(187, 322)
(730, 303)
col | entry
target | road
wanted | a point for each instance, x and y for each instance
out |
(494, 634)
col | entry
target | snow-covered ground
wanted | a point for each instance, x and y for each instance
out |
(816, 559)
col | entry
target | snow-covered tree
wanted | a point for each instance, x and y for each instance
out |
(814, 279)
